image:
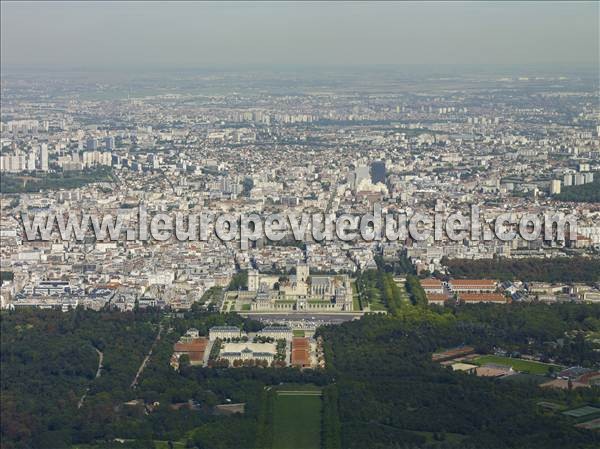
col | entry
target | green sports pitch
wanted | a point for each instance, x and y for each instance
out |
(521, 365)
(297, 418)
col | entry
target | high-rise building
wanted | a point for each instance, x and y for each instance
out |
(155, 161)
(378, 172)
(568, 180)
(584, 167)
(91, 144)
(110, 143)
(31, 161)
(555, 187)
(19, 162)
(361, 173)
(44, 157)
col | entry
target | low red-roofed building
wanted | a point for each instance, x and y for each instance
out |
(470, 298)
(472, 285)
(432, 286)
(436, 298)
(452, 354)
(193, 348)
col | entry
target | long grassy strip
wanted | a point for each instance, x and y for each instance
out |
(264, 431)
(331, 431)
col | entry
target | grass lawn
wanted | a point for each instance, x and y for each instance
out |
(524, 378)
(403, 293)
(356, 306)
(448, 437)
(517, 364)
(583, 411)
(297, 418)
(157, 443)
(165, 444)
(377, 306)
(298, 333)
(375, 301)
(370, 295)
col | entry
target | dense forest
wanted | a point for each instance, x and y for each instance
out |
(585, 193)
(49, 359)
(561, 269)
(381, 389)
(392, 395)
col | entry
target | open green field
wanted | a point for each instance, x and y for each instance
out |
(158, 444)
(448, 437)
(297, 418)
(524, 378)
(403, 292)
(369, 291)
(165, 444)
(583, 412)
(376, 303)
(521, 365)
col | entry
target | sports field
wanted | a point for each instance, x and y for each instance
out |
(517, 364)
(582, 411)
(297, 418)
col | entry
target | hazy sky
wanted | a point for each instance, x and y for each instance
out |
(112, 34)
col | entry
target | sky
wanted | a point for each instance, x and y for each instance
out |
(186, 34)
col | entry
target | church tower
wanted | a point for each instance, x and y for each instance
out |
(253, 280)
(302, 273)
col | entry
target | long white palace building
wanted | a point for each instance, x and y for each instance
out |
(299, 292)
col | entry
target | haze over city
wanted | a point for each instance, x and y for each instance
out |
(113, 35)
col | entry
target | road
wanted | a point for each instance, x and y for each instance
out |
(98, 374)
(146, 359)
(318, 319)
(100, 361)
